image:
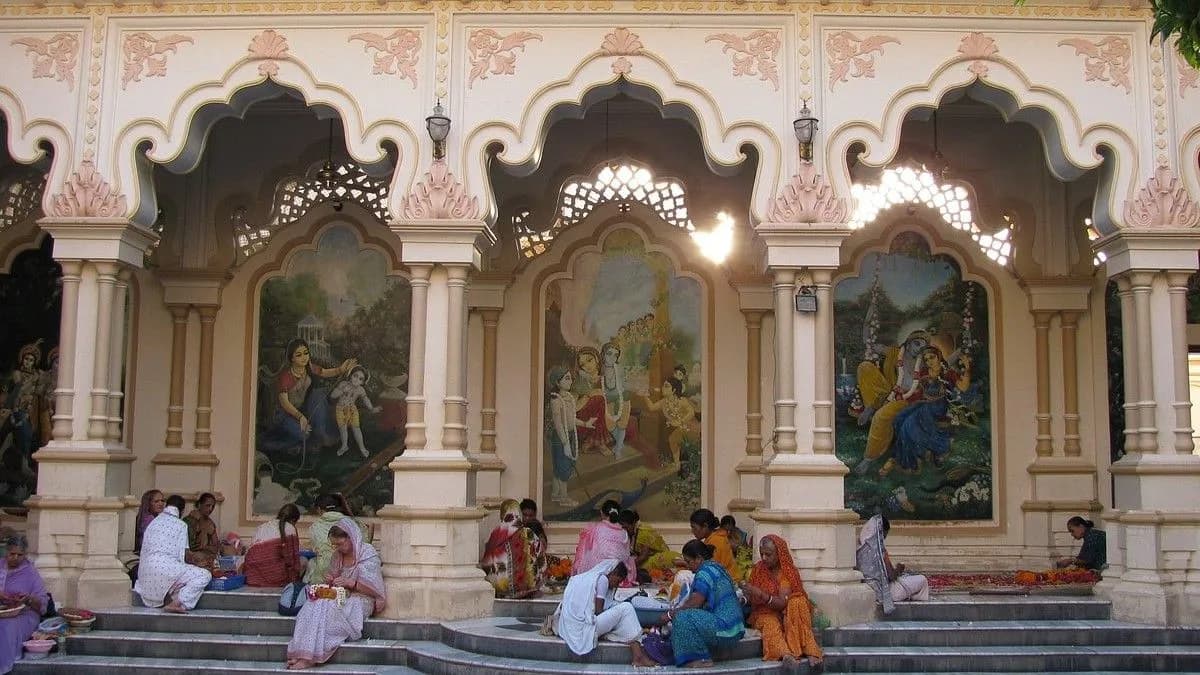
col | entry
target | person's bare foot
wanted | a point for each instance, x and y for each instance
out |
(174, 607)
(640, 658)
(789, 662)
(816, 664)
(699, 663)
(300, 664)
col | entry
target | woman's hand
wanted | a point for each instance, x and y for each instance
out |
(305, 427)
(347, 365)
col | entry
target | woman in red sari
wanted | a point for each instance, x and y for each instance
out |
(514, 558)
(780, 609)
(274, 558)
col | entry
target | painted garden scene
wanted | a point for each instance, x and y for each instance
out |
(622, 377)
(913, 408)
(333, 368)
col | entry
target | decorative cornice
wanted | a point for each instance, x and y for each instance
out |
(493, 53)
(268, 46)
(55, 57)
(395, 54)
(808, 198)
(852, 56)
(1106, 60)
(753, 54)
(1162, 203)
(144, 54)
(439, 196)
(87, 195)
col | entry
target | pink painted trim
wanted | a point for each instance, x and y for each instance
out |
(56, 57)
(268, 46)
(1106, 60)
(753, 54)
(87, 195)
(852, 56)
(807, 198)
(493, 53)
(144, 54)
(395, 54)
(1163, 202)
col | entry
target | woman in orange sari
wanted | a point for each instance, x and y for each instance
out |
(780, 609)
(707, 529)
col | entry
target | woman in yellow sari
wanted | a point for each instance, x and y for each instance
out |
(707, 528)
(780, 609)
(647, 546)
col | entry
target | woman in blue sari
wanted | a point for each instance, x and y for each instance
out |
(711, 617)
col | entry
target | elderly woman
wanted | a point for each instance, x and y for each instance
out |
(332, 508)
(274, 558)
(153, 503)
(587, 613)
(20, 584)
(165, 577)
(514, 558)
(203, 540)
(711, 617)
(324, 624)
(780, 609)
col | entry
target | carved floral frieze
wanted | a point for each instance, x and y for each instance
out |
(143, 55)
(55, 57)
(395, 54)
(808, 198)
(978, 47)
(268, 47)
(852, 56)
(753, 55)
(439, 196)
(491, 53)
(1163, 202)
(1189, 77)
(1106, 60)
(87, 195)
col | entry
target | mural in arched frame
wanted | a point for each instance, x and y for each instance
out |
(913, 409)
(623, 385)
(333, 340)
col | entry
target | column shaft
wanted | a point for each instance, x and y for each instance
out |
(753, 381)
(1070, 337)
(1147, 426)
(1129, 348)
(1177, 287)
(116, 363)
(487, 432)
(414, 428)
(454, 429)
(1045, 441)
(203, 435)
(106, 273)
(785, 387)
(64, 394)
(823, 366)
(179, 321)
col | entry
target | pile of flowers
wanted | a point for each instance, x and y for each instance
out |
(559, 569)
(1070, 575)
(662, 577)
(76, 614)
(963, 582)
(326, 592)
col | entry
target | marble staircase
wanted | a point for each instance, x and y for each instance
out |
(239, 632)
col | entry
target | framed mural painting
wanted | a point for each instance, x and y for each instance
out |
(333, 332)
(913, 401)
(622, 383)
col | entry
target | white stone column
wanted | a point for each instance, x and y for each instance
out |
(1041, 349)
(1156, 554)
(430, 538)
(756, 299)
(485, 297)
(116, 363)
(822, 442)
(1129, 348)
(1177, 289)
(106, 273)
(64, 392)
(783, 288)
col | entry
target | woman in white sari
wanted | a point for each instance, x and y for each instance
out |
(587, 613)
(165, 579)
(324, 624)
(890, 582)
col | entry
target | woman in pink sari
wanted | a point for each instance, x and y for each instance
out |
(324, 624)
(21, 584)
(603, 540)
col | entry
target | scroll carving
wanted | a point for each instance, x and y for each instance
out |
(495, 54)
(1163, 202)
(439, 196)
(87, 195)
(144, 54)
(395, 54)
(807, 198)
(753, 54)
(979, 48)
(852, 56)
(1106, 60)
(55, 57)
(268, 47)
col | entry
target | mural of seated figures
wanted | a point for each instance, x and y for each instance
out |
(623, 370)
(913, 403)
(333, 332)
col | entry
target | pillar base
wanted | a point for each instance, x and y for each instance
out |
(488, 468)
(182, 472)
(1140, 602)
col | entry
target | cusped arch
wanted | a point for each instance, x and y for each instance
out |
(27, 139)
(1071, 148)
(178, 142)
(651, 80)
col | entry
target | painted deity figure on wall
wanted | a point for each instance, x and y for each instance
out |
(914, 418)
(624, 322)
(330, 309)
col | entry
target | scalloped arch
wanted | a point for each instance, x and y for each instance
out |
(652, 81)
(24, 139)
(1070, 147)
(180, 141)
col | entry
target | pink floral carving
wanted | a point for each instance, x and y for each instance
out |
(1189, 77)
(752, 55)
(488, 49)
(622, 66)
(1163, 202)
(1107, 60)
(852, 56)
(87, 195)
(978, 47)
(807, 198)
(621, 42)
(439, 196)
(144, 54)
(56, 57)
(395, 54)
(268, 46)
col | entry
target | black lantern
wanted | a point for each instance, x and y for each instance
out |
(438, 126)
(806, 129)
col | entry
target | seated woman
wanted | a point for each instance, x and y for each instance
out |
(780, 609)
(649, 549)
(737, 536)
(165, 576)
(587, 614)
(274, 558)
(604, 540)
(324, 624)
(1093, 553)
(153, 503)
(707, 528)
(514, 559)
(20, 584)
(332, 509)
(529, 516)
(203, 541)
(711, 617)
(889, 581)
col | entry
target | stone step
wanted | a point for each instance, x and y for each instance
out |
(1007, 659)
(1004, 633)
(234, 622)
(435, 658)
(1002, 608)
(244, 599)
(537, 608)
(270, 648)
(519, 638)
(123, 665)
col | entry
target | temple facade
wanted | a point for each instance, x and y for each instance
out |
(796, 262)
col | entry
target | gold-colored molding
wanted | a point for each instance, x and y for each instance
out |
(805, 516)
(397, 512)
(82, 456)
(185, 459)
(1058, 505)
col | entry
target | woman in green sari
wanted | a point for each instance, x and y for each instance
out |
(646, 545)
